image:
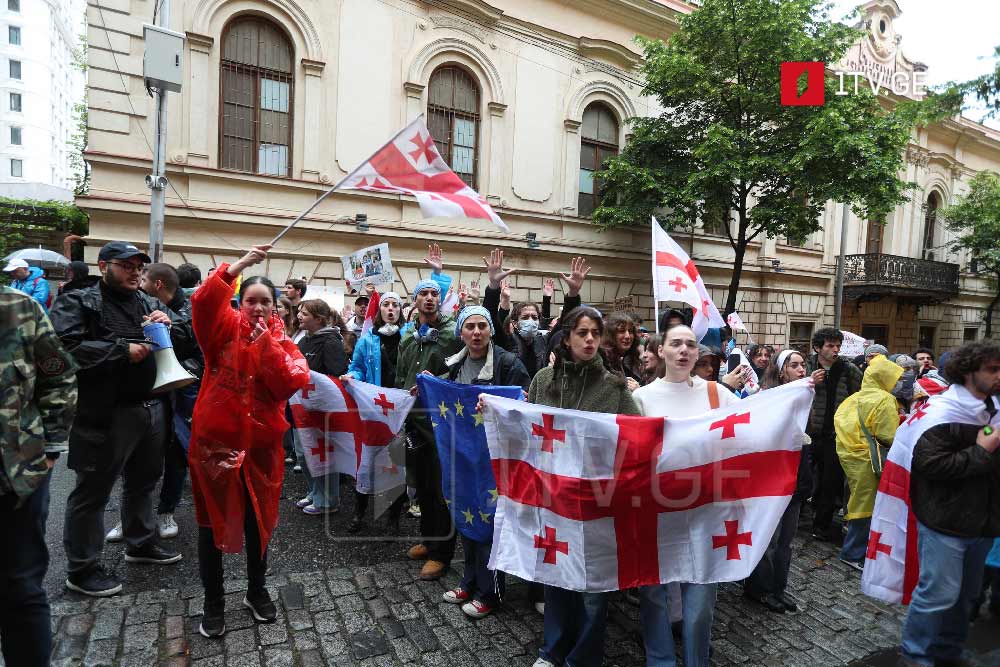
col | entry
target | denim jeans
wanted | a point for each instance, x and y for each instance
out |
(771, 574)
(175, 451)
(575, 625)
(324, 491)
(951, 574)
(856, 541)
(698, 602)
(482, 583)
(25, 633)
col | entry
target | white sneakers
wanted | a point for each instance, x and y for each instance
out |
(166, 525)
(540, 608)
(542, 662)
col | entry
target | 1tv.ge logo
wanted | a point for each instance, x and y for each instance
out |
(902, 83)
(814, 94)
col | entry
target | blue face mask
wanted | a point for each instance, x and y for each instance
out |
(527, 328)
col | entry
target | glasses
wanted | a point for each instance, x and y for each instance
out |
(128, 266)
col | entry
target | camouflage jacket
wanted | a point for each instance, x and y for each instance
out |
(37, 393)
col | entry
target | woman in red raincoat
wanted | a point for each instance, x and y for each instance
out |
(236, 455)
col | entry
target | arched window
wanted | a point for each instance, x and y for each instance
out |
(453, 120)
(598, 142)
(930, 220)
(255, 131)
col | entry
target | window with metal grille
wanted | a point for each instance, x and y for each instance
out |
(255, 131)
(453, 120)
(930, 220)
(716, 217)
(876, 231)
(970, 334)
(598, 142)
(800, 336)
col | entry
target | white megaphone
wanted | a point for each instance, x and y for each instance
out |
(170, 374)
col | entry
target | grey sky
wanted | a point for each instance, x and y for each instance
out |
(955, 38)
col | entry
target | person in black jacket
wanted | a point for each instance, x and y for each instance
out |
(121, 426)
(481, 362)
(955, 495)
(323, 348)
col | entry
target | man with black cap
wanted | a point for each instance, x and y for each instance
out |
(121, 426)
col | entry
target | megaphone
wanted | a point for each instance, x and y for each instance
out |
(170, 374)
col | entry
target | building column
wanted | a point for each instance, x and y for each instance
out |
(498, 145)
(315, 120)
(414, 100)
(571, 178)
(198, 151)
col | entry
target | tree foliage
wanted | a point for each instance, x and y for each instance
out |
(22, 217)
(975, 217)
(724, 140)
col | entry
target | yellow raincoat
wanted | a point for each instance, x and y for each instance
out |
(878, 407)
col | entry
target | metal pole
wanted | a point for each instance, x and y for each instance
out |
(157, 181)
(838, 306)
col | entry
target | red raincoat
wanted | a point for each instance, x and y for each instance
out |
(239, 417)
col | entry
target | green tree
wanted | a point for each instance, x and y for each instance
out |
(725, 142)
(975, 217)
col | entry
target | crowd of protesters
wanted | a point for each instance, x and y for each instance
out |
(79, 376)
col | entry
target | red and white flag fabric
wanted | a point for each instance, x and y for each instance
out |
(892, 566)
(410, 164)
(371, 312)
(348, 429)
(452, 303)
(676, 278)
(596, 502)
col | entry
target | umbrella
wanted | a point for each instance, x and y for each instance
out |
(38, 257)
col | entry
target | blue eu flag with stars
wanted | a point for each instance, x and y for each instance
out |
(466, 473)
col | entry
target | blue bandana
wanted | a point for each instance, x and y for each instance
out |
(426, 283)
(467, 312)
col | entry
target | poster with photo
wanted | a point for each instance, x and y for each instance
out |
(368, 265)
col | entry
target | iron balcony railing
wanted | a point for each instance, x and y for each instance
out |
(895, 274)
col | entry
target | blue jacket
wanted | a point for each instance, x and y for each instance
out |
(366, 364)
(35, 286)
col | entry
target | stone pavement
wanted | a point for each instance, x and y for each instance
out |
(382, 616)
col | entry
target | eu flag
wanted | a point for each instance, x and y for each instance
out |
(466, 473)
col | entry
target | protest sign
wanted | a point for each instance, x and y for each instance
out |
(368, 265)
(853, 346)
(333, 296)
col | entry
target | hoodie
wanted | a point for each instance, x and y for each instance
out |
(35, 286)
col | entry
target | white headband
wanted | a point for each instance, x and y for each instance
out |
(783, 357)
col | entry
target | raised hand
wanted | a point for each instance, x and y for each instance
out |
(435, 258)
(257, 254)
(370, 289)
(578, 270)
(505, 295)
(474, 290)
(494, 268)
(548, 287)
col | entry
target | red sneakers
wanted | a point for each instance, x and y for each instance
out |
(477, 609)
(456, 596)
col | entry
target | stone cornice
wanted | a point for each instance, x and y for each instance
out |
(199, 42)
(602, 49)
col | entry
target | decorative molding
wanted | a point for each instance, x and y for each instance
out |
(601, 90)
(608, 51)
(459, 24)
(414, 89)
(572, 125)
(479, 10)
(420, 70)
(918, 156)
(197, 42)
(497, 109)
(313, 67)
(207, 10)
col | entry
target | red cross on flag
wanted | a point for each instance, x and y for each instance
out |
(410, 164)
(596, 502)
(676, 278)
(346, 429)
(892, 567)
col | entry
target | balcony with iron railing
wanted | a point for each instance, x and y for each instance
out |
(918, 280)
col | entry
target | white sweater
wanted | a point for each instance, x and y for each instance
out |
(663, 398)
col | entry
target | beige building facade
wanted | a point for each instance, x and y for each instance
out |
(282, 98)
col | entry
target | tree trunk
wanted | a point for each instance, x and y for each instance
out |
(734, 282)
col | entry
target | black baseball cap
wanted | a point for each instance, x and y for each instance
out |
(121, 250)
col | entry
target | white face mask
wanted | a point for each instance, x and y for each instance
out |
(527, 327)
(388, 329)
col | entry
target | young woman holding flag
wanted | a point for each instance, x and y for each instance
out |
(236, 457)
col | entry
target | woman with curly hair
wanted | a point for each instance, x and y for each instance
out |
(620, 345)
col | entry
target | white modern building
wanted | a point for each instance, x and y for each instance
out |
(39, 86)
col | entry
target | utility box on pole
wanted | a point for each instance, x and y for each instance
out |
(162, 63)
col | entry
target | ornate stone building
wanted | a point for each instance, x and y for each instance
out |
(525, 98)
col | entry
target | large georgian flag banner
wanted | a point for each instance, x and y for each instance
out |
(596, 502)
(410, 164)
(892, 566)
(676, 278)
(347, 429)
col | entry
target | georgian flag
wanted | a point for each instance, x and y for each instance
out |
(371, 312)
(676, 278)
(892, 567)
(410, 164)
(596, 502)
(347, 429)
(452, 303)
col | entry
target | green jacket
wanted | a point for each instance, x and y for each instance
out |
(427, 353)
(37, 393)
(587, 386)
(847, 377)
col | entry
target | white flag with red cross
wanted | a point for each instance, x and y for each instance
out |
(892, 566)
(348, 430)
(676, 278)
(596, 502)
(410, 164)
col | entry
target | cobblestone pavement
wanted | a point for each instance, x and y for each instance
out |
(382, 616)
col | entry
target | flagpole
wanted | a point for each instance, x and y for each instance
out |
(336, 187)
(656, 300)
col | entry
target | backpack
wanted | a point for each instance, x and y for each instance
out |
(49, 299)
